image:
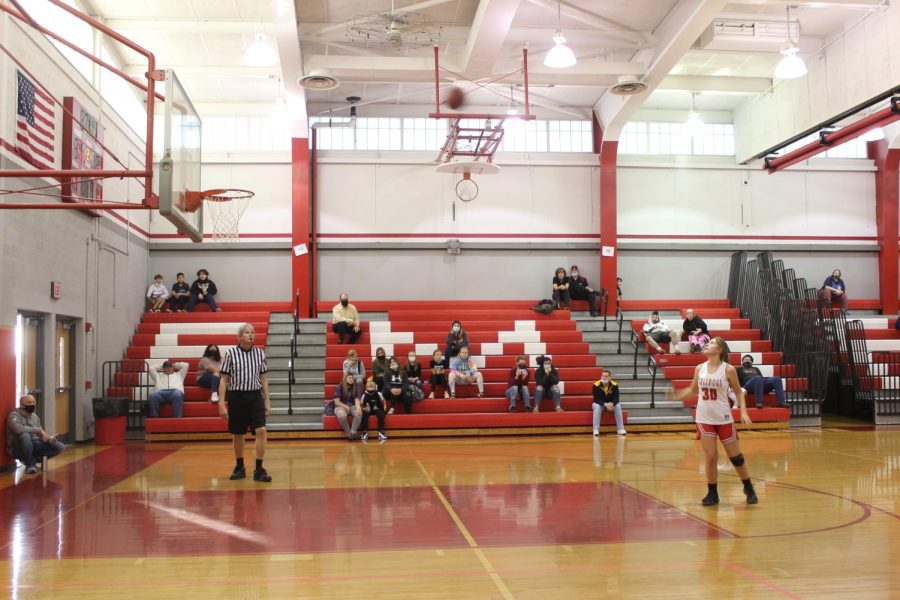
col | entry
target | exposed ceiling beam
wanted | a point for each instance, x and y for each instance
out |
(487, 35)
(406, 9)
(291, 60)
(722, 85)
(215, 72)
(675, 35)
(608, 26)
(847, 4)
(193, 26)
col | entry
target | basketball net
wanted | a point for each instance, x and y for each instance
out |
(225, 209)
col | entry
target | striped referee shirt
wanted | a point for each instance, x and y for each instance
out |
(243, 368)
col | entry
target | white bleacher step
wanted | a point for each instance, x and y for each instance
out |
(199, 328)
(872, 322)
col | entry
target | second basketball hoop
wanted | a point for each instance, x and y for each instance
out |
(466, 188)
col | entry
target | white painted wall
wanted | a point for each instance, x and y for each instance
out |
(860, 63)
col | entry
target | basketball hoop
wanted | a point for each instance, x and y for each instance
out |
(466, 188)
(225, 208)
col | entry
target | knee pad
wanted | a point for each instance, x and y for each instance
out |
(738, 460)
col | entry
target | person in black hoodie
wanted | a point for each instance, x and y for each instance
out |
(372, 404)
(180, 294)
(695, 328)
(546, 379)
(203, 290)
(560, 286)
(580, 290)
(394, 389)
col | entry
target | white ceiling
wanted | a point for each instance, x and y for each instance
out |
(204, 41)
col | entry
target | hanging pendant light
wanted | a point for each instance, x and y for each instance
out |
(560, 55)
(694, 123)
(260, 53)
(791, 66)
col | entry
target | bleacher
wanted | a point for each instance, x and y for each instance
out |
(498, 332)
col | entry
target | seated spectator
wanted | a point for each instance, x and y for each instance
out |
(395, 387)
(353, 366)
(456, 339)
(695, 328)
(560, 285)
(345, 320)
(657, 332)
(618, 291)
(203, 290)
(439, 368)
(517, 384)
(464, 370)
(752, 381)
(181, 293)
(208, 371)
(26, 440)
(346, 402)
(169, 388)
(835, 290)
(379, 366)
(156, 294)
(580, 290)
(412, 370)
(373, 403)
(546, 379)
(606, 399)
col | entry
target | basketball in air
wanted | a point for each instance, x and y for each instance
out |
(454, 97)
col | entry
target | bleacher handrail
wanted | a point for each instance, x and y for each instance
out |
(138, 393)
(652, 368)
(620, 317)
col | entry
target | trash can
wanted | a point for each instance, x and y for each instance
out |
(110, 420)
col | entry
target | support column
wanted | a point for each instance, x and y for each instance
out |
(609, 268)
(301, 219)
(887, 219)
(8, 400)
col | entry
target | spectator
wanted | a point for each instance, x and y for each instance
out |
(373, 403)
(579, 289)
(546, 379)
(181, 293)
(412, 370)
(353, 366)
(560, 286)
(345, 320)
(439, 367)
(606, 399)
(752, 380)
(169, 388)
(618, 291)
(208, 371)
(347, 402)
(464, 370)
(156, 294)
(379, 366)
(26, 440)
(456, 339)
(395, 387)
(695, 328)
(517, 384)
(835, 290)
(657, 331)
(203, 290)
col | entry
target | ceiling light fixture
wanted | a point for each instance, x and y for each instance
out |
(513, 125)
(260, 53)
(791, 66)
(559, 56)
(694, 123)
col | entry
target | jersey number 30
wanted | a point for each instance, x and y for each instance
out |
(710, 393)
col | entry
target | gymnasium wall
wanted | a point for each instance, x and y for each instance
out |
(385, 220)
(101, 262)
(857, 65)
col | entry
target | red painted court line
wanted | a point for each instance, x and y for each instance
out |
(751, 575)
(673, 507)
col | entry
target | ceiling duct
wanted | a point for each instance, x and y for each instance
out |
(748, 34)
(628, 85)
(319, 79)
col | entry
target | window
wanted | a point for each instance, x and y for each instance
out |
(245, 134)
(640, 137)
(70, 27)
(855, 148)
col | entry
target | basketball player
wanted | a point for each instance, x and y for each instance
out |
(712, 380)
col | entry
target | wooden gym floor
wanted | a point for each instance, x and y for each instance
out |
(528, 517)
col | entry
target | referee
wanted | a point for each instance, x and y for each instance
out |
(244, 399)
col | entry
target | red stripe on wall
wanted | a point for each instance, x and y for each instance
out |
(8, 400)
(585, 236)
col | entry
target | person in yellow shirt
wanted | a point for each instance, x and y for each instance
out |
(606, 399)
(345, 320)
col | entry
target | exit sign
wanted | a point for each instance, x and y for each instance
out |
(55, 290)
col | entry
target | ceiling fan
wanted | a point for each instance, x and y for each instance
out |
(397, 28)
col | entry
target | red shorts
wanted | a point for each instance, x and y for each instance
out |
(727, 432)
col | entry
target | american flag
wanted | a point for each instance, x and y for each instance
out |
(35, 124)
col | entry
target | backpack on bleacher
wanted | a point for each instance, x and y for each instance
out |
(545, 307)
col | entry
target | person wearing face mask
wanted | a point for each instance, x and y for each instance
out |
(379, 366)
(657, 332)
(346, 402)
(439, 367)
(752, 380)
(606, 399)
(413, 372)
(464, 370)
(345, 320)
(456, 339)
(26, 440)
(517, 384)
(394, 388)
(579, 289)
(546, 379)
(373, 403)
(835, 290)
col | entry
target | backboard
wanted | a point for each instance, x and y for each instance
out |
(177, 155)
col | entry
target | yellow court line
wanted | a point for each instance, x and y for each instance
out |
(869, 458)
(492, 572)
